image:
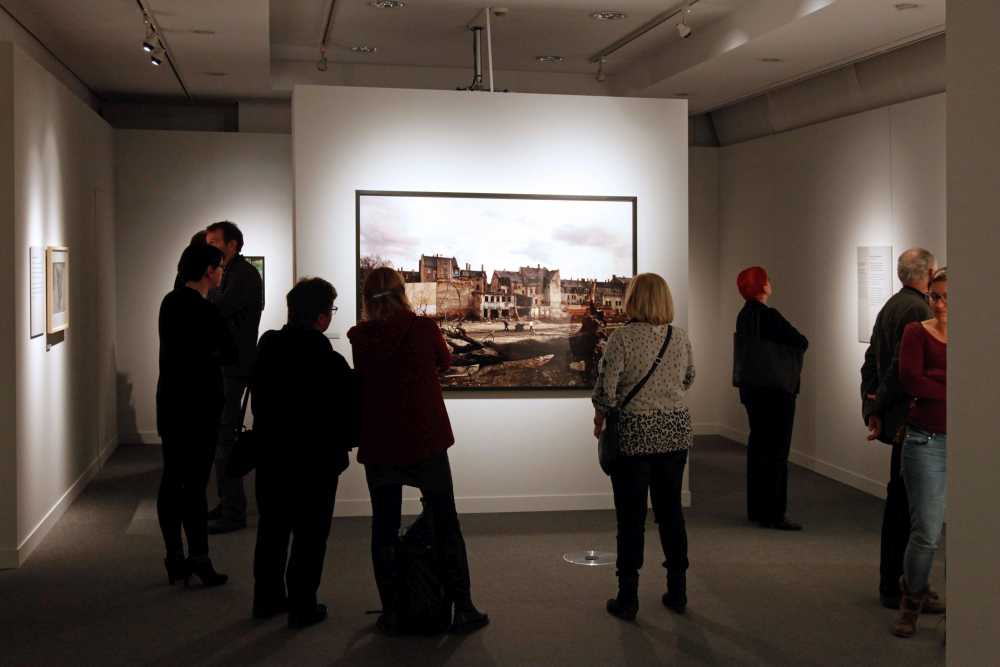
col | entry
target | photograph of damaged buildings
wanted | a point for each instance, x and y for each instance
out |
(525, 288)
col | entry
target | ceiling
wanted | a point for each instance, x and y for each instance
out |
(252, 49)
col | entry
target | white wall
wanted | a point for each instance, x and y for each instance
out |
(705, 399)
(799, 203)
(62, 192)
(522, 452)
(170, 185)
(8, 367)
(973, 364)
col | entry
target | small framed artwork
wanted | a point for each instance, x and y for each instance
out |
(257, 262)
(56, 289)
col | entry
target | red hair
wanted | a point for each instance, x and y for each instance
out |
(751, 282)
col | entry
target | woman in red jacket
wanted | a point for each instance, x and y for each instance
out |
(405, 435)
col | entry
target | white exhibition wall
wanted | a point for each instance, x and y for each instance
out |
(59, 191)
(799, 203)
(973, 364)
(170, 185)
(516, 451)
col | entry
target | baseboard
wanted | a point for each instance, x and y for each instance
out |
(44, 527)
(143, 438)
(838, 474)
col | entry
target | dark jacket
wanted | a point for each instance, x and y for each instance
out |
(240, 301)
(304, 400)
(773, 327)
(194, 344)
(879, 374)
(403, 416)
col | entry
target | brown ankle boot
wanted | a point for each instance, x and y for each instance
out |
(909, 611)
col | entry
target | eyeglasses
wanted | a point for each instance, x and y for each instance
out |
(935, 297)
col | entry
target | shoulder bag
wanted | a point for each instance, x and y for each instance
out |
(759, 363)
(244, 457)
(609, 442)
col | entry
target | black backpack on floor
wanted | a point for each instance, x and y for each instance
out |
(422, 605)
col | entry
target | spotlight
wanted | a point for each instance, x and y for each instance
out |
(601, 76)
(684, 30)
(149, 44)
(156, 57)
(322, 64)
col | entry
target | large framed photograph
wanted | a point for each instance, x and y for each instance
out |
(525, 288)
(56, 289)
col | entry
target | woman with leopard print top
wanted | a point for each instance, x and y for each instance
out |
(655, 434)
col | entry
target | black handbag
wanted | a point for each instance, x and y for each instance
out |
(244, 457)
(609, 442)
(759, 363)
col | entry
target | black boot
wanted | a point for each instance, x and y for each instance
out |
(626, 605)
(202, 568)
(676, 598)
(384, 565)
(177, 568)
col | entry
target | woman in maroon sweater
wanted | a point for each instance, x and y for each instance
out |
(922, 373)
(405, 435)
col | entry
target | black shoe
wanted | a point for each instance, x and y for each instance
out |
(388, 624)
(781, 524)
(265, 610)
(303, 619)
(226, 526)
(624, 610)
(675, 599)
(205, 572)
(468, 620)
(215, 513)
(177, 569)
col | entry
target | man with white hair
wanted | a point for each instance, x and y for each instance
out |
(884, 406)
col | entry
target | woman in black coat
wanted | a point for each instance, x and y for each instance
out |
(771, 411)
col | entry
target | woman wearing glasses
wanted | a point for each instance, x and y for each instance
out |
(923, 354)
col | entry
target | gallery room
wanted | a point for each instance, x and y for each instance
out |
(375, 332)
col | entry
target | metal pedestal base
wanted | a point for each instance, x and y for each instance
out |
(590, 557)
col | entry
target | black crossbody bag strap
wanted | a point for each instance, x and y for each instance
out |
(243, 409)
(659, 358)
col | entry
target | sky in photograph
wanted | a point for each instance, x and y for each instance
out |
(583, 239)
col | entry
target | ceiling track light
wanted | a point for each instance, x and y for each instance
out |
(601, 76)
(322, 64)
(663, 17)
(156, 57)
(683, 29)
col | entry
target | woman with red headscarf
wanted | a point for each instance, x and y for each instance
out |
(771, 410)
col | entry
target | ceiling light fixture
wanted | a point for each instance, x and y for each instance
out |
(903, 6)
(364, 49)
(771, 60)
(549, 60)
(601, 76)
(387, 4)
(322, 64)
(156, 58)
(683, 29)
(609, 15)
(150, 43)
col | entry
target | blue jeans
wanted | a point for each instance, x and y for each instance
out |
(925, 475)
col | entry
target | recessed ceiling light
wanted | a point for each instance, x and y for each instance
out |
(549, 59)
(903, 6)
(387, 4)
(364, 48)
(609, 15)
(216, 73)
(682, 94)
(771, 60)
(202, 32)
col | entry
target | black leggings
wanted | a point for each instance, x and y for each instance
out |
(187, 464)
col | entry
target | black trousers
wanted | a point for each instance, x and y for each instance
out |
(895, 527)
(658, 476)
(181, 503)
(433, 478)
(772, 416)
(292, 509)
(231, 493)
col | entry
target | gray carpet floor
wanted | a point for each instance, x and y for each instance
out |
(95, 592)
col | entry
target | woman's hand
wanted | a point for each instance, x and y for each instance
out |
(598, 424)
